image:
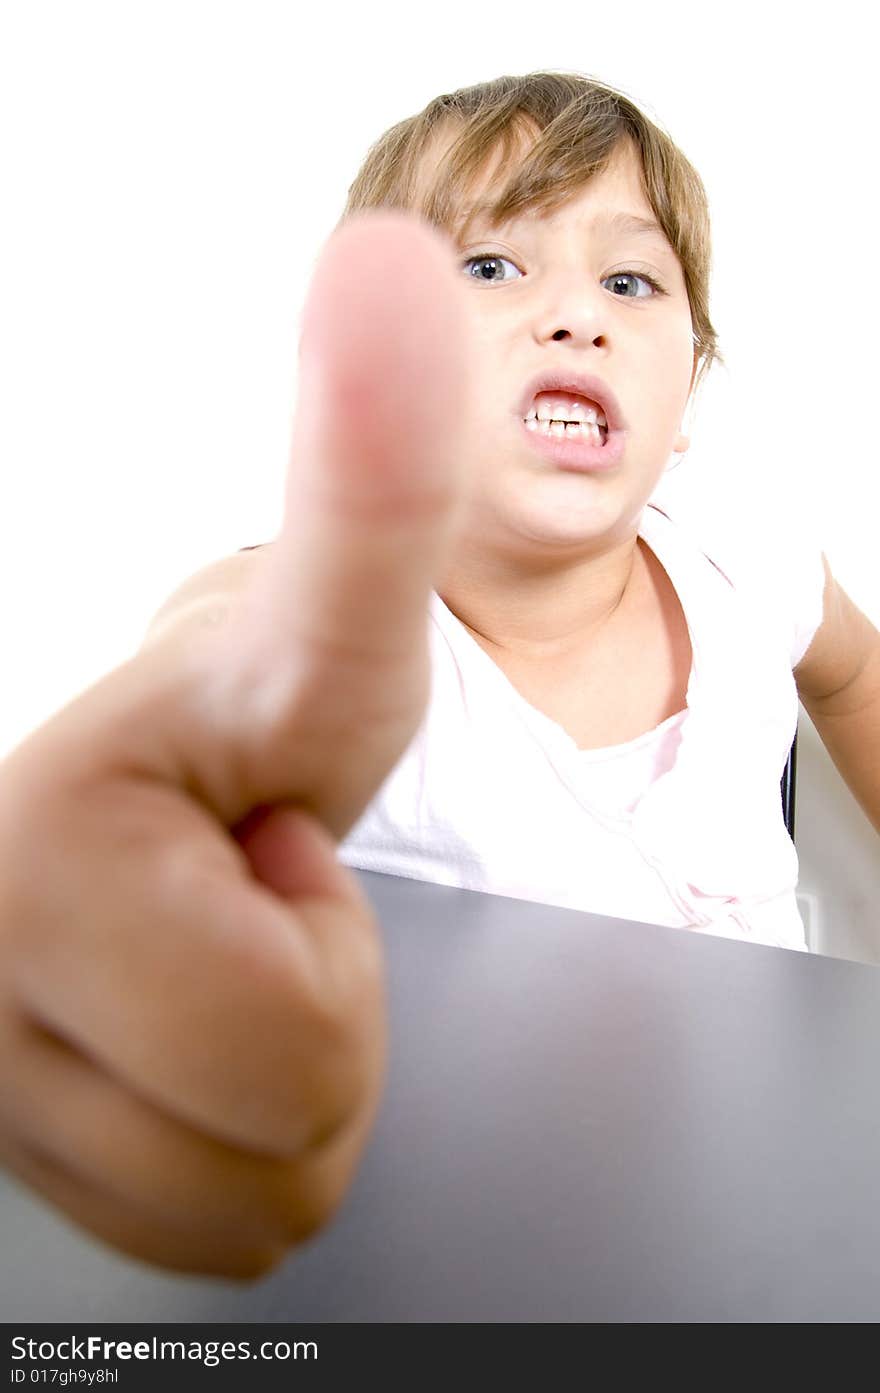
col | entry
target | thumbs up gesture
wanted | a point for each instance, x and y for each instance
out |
(192, 1034)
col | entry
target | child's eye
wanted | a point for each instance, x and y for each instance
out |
(494, 260)
(637, 276)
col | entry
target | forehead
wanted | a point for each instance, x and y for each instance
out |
(618, 189)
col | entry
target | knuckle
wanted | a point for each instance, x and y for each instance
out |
(348, 1060)
(251, 1265)
(212, 1259)
(313, 1204)
(360, 983)
(303, 1196)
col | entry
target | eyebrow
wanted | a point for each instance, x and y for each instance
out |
(628, 224)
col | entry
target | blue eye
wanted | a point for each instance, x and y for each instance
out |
(637, 276)
(489, 257)
(494, 260)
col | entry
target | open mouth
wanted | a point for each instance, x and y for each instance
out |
(589, 431)
(567, 414)
(575, 445)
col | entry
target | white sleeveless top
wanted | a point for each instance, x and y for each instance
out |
(682, 826)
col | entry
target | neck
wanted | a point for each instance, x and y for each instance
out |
(543, 612)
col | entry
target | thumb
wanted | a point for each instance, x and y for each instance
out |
(313, 690)
(336, 623)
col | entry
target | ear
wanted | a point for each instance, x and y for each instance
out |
(682, 442)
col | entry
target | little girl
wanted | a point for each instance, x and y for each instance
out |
(192, 1014)
(613, 696)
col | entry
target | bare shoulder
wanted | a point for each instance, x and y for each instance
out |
(219, 578)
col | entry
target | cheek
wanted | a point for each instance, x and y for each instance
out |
(491, 387)
(484, 347)
(668, 375)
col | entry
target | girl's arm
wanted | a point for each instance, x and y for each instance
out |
(838, 682)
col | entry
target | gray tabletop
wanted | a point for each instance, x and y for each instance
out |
(584, 1119)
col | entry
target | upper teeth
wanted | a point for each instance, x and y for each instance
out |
(567, 411)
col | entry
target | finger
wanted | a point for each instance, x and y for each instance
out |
(149, 1172)
(320, 680)
(316, 685)
(255, 1018)
(374, 484)
(376, 468)
(140, 1236)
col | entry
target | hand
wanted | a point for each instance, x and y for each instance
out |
(191, 989)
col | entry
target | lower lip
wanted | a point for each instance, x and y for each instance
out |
(578, 455)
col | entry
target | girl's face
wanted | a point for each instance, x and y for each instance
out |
(568, 291)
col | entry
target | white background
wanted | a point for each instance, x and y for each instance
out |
(171, 171)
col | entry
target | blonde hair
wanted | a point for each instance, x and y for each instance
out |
(578, 123)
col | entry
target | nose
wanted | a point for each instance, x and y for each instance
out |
(559, 335)
(573, 309)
